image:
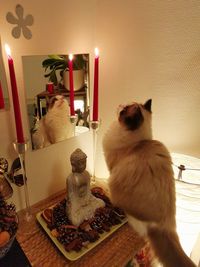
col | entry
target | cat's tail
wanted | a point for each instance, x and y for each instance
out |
(168, 248)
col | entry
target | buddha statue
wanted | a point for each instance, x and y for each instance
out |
(80, 204)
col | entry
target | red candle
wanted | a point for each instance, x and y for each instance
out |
(96, 85)
(2, 105)
(49, 87)
(71, 85)
(15, 98)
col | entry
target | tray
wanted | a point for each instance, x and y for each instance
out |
(73, 255)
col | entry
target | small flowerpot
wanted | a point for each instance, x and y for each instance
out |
(78, 79)
(50, 87)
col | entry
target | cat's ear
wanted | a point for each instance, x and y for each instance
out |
(147, 105)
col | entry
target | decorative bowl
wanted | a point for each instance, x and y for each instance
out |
(7, 246)
(4, 249)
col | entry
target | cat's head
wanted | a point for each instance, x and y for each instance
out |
(135, 115)
(132, 126)
(57, 102)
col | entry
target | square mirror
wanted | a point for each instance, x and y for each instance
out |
(46, 79)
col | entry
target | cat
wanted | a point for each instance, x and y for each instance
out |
(55, 126)
(142, 183)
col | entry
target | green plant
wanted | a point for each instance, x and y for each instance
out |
(55, 64)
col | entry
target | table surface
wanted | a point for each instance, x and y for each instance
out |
(115, 251)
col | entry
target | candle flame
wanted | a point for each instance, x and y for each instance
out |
(8, 51)
(70, 57)
(96, 51)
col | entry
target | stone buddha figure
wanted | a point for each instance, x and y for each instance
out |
(81, 204)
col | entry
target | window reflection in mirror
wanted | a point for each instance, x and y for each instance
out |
(46, 80)
(4, 98)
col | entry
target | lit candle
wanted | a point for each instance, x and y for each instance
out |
(71, 85)
(15, 98)
(96, 85)
(2, 105)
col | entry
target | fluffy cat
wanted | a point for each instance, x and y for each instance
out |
(55, 126)
(142, 183)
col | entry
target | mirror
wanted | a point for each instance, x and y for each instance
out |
(4, 98)
(46, 80)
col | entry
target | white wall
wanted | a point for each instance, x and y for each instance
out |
(148, 49)
(33, 73)
(151, 49)
(3, 80)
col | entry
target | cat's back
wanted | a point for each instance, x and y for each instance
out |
(141, 179)
(151, 150)
(153, 157)
(58, 125)
(150, 153)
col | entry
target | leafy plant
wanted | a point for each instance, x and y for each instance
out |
(59, 63)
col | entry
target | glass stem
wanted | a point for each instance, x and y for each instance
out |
(74, 128)
(26, 194)
(94, 153)
(73, 120)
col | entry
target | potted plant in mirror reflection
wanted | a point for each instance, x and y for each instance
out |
(56, 68)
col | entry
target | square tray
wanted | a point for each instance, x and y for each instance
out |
(73, 255)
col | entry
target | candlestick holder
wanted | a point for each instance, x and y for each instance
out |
(181, 169)
(73, 120)
(94, 126)
(27, 217)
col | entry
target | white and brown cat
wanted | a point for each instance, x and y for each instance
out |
(55, 126)
(142, 182)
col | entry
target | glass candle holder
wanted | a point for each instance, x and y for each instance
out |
(73, 120)
(94, 127)
(26, 219)
(21, 148)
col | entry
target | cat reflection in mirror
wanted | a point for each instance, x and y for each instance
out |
(142, 182)
(55, 126)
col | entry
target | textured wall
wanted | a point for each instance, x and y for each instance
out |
(151, 49)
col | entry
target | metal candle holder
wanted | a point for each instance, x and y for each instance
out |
(21, 148)
(181, 169)
(94, 126)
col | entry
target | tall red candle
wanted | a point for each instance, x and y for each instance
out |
(71, 85)
(2, 105)
(96, 86)
(15, 98)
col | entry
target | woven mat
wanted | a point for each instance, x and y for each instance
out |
(115, 251)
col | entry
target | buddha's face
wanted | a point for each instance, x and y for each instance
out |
(79, 166)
